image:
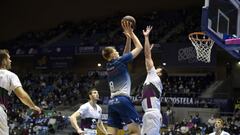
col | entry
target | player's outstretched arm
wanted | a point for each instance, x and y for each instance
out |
(138, 46)
(127, 47)
(25, 99)
(73, 120)
(147, 49)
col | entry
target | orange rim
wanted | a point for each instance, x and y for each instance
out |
(197, 33)
(192, 36)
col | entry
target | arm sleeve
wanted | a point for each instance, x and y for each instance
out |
(82, 110)
(14, 82)
(126, 58)
(152, 73)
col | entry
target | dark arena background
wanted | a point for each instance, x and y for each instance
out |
(55, 48)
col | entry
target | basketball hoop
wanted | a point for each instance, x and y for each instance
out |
(203, 45)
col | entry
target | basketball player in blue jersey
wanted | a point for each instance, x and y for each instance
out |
(121, 111)
(9, 82)
(151, 92)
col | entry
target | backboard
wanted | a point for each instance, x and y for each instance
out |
(220, 21)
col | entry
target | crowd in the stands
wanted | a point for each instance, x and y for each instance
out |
(48, 90)
(103, 32)
(195, 126)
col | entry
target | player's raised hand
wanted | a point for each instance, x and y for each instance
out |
(147, 31)
(80, 132)
(127, 29)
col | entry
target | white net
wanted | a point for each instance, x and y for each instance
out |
(203, 45)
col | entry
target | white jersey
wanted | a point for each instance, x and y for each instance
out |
(9, 81)
(152, 90)
(222, 133)
(89, 116)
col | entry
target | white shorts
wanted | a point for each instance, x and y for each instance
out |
(88, 131)
(152, 121)
(4, 129)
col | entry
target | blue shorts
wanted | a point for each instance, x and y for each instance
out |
(121, 111)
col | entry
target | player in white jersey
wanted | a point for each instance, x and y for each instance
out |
(151, 92)
(218, 128)
(9, 82)
(90, 114)
(121, 111)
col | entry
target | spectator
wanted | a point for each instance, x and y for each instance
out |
(211, 120)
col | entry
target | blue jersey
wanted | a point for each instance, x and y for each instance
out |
(118, 76)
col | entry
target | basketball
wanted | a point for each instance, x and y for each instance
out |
(130, 19)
